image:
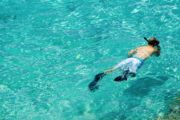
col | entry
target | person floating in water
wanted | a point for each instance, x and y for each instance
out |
(130, 65)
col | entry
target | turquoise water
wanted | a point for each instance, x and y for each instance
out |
(51, 49)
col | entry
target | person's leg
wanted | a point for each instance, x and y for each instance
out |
(131, 68)
(134, 67)
(121, 65)
(93, 85)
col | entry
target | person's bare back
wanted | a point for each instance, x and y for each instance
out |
(143, 52)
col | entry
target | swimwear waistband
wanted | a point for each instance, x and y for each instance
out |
(138, 58)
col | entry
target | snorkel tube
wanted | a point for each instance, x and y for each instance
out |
(146, 39)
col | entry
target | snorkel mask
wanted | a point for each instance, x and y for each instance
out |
(153, 41)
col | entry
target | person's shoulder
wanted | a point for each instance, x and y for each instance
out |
(157, 48)
(141, 47)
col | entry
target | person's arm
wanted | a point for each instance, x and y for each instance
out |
(158, 51)
(132, 52)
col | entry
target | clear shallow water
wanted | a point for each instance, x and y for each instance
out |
(51, 49)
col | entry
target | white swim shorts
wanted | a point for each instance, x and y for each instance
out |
(132, 64)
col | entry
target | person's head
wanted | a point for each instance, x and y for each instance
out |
(153, 41)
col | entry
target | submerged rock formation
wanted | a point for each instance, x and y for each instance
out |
(173, 112)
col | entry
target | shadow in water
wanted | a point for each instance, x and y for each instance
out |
(114, 115)
(133, 95)
(5, 18)
(143, 86)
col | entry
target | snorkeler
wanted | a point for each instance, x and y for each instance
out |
(130, 65)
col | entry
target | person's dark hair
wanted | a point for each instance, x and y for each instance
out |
(153, 41)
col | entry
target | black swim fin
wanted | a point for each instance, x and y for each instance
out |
(99, 76)
(93, 85)
(122, 77)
